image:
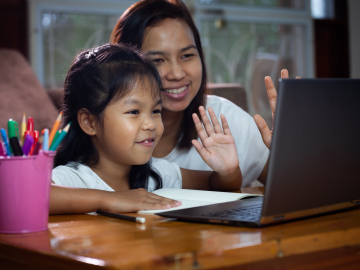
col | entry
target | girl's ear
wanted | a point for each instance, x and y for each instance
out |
(87, 121)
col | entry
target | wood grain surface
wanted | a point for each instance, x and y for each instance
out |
(98, 242)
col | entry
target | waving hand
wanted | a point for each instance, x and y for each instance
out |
(266, 134)
(218, 148)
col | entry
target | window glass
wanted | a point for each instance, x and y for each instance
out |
(296, 4)
(244, 52)
(65, 34)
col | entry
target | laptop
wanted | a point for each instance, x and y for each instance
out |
(314, 163)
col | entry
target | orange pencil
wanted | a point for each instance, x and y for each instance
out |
(55, 128)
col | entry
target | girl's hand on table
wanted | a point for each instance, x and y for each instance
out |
(135, 200)
(218, 148)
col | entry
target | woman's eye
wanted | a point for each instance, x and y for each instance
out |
(188, 55)
(157, 61)
(133, 112)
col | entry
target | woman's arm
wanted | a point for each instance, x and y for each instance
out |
(209, 180)
(218, 150)
(66, 200)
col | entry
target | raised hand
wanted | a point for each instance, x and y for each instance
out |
(218, 148)
(266, 133)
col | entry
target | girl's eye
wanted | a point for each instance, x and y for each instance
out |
(157, 111)
(133, 112)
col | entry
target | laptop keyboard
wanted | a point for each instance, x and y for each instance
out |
(248, 213)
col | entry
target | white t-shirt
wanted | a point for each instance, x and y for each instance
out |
(252, 151)
(84, 177)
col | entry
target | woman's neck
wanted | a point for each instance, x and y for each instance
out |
(116, 176)
(172, 124)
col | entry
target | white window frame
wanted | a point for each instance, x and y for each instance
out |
(37, 7)
(202, 12)
(258, 14)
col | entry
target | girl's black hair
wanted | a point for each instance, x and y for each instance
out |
(97, 77)
(149, 13)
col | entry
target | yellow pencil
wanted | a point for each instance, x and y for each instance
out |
(23, 129)
(54, 128)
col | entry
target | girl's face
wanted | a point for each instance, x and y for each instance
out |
(132, 127)
(171, 46)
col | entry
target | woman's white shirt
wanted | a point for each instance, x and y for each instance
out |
(252, 152)
(81, 176)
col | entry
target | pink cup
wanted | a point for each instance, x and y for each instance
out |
(25, 192)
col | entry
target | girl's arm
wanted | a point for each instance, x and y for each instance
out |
(66, 200)
(218, 150)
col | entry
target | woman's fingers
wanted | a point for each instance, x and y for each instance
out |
(264, 130)
(225, 125)
(272, 95)
(214, 121)
(199, 148)
(199, 128)
(284, 74)
(207, 124)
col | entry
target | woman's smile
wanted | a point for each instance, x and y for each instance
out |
(176, 93)
(171, 47)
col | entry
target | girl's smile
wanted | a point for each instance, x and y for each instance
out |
(147, 142)
(132, 127)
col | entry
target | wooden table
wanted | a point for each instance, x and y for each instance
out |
(97, 242)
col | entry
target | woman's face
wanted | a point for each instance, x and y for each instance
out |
(171, 46)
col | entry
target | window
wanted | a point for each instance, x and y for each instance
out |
(243, 40)
(60, 29)
(246, 40)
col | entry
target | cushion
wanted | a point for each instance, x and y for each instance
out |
(21, 92)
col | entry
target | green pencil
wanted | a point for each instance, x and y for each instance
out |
(59, 139)
(57, 134)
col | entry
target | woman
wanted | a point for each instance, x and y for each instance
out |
(165, 32)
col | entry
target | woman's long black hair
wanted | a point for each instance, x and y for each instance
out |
(149, 13)
(97, 77)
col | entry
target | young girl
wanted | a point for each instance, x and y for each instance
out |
(112, 99)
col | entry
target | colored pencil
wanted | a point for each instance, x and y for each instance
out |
(55, 128)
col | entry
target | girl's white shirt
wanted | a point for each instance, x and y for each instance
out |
(81, 176)
(251, 149)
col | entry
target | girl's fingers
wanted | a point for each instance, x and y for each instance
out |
(159, 202)
(208, 126)
(271, 91)
(199, 128)
(158, 199)
(157, 206)
(214, 121)
(225, 125)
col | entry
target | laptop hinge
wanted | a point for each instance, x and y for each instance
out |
(309, 212)
(279, 217)
(357, 202)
